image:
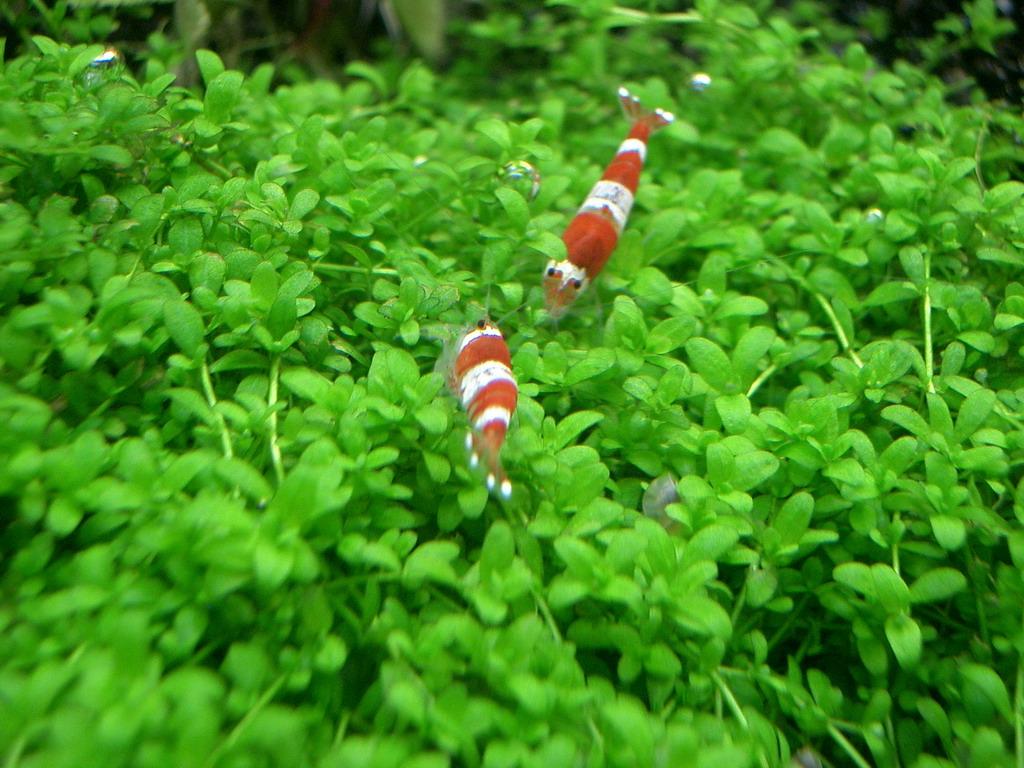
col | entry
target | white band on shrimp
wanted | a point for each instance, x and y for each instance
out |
(611, 198)
(491, 414)
(633, 145)
(477, 333)
(482, 375)
(608, 210)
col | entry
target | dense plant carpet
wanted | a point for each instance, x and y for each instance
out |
(237, 523)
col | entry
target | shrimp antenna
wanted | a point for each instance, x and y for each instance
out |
(511, 312)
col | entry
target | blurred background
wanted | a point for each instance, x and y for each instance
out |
(978, 40)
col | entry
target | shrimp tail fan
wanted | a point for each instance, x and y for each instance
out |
(635, 111)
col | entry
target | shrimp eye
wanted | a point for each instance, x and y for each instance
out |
(551, 271)
(480, 324)
(576, 283)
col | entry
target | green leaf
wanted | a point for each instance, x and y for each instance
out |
(980, 340)
(331, 654)
(433, 418)
(109, 153)
(989, 685)
(239, 359)
(950, 532)
(721, 464)
(390, 371)
(438, 467)
(498, 550)
(935, 716)
(702, 616)
(573, 425)
(889, 293)
(794, 518)
(210, 65)
(669, 334)
(779, 141)
(594, 364)
(306, 383)
(192, 403)
(272, 564)
(222, 95)
(754, 468)
(282, 316)
(626, 326)
(741, 306)
(431, 561)
(46, 46)
(496, 131)
(712, 364)
(515, 208)
(734, 411)
(245, 477)
(305, 200)
(752, 346)
(472, 501)
(937, 584)
(185, 325)
(849, 471)
(84, 59)
(904, 636)
(889, 588)
(264, 285)
(908, 419)
(1003, 195)
(710, 543)
(973, 412)
(856, 576)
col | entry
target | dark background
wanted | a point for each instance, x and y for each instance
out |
(317, 35)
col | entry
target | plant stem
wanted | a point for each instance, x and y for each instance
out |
(730, 699)
(686, 17)
(14, 755)
(244, 723)
(737, 711)
(1011, 417)
(275, 448)
(929, 355)
(211, 400)
(896, 549)
(358, 270)
(844, 342)
(47, 17)
(339, 733)
(847, 747)
(549, 618)
(1018, 715)
(977, 152)
(761, 379)
(890, 733)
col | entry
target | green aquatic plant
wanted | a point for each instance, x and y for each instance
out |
(239, 525)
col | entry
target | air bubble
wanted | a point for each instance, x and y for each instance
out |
(700, 82)
(521, 176)
(106, 65)
(659, 494)
(806, 758)
(874, 215)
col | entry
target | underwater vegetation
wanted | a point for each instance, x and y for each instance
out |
(764, 502)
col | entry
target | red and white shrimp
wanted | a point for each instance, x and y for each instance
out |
(481, 377)
(593, 234)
